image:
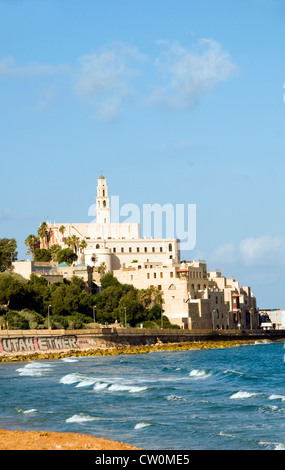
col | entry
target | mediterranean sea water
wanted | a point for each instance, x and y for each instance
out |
(211, 399)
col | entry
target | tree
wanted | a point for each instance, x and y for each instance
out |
(74, 243)
(42, 254)
(54, 249)
(61, 229)
(32, 242)
(109, 280)
(8, 252)
(66, 256)
(43, 233)
(102, 268)
(83, 244)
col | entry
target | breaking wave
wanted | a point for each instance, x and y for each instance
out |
(200, 373)
(34, 369)
(142, 425)
(81, 418)
(241, 395)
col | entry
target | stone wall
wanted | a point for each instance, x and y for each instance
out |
(38, 341)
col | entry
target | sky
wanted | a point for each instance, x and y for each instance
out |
(175, 102)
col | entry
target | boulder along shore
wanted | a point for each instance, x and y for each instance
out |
(141, 349)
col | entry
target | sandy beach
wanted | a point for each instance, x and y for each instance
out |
(45, 440)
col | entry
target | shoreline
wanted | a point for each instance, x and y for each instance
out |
(52, 440)
(140, 349)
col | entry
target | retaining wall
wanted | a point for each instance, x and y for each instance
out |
(32, 341)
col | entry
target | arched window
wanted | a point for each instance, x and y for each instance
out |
(172, 287)
(97, 246)
(104, 203)
(170, 247)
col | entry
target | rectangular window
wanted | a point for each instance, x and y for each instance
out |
(138, 250)
(147, 275)
(171, 274)
(161, 275)
(153, 249)
(130, 250)
(122, 250)
(154, 275)
(114, 250)
(160, 249)
(145, 249)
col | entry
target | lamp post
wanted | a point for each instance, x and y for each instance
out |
(125, 317)
(48, 317)
(94, 310)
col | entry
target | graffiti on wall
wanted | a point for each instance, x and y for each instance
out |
(41, 343)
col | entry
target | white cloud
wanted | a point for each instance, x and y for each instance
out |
(104, 79)
(10, 69)
(260, 251)
(263, 251)
(190, 73)
(226, 254)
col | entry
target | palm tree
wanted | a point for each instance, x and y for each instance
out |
(74, 242)
(61, 230)
(32, 242)
(82, 246)
(43, 232)
(102, 268)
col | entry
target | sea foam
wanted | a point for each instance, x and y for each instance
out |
(142, 425)
(34, 369)
(81, 418)
(200, 373)
(241, 395)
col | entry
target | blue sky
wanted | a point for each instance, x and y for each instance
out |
(178, 102)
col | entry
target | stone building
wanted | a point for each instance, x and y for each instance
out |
(193, 297)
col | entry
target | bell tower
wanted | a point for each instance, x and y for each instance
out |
(102, 202)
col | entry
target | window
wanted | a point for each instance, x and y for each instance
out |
(171, 274)
(161, 275)
(154, 275)
(159, 287)
(122, 250)
(114, 250)
(97, 246)
(138, 250)
(145, 249)
(104, 203)
(160, 249)
(103, 192)
(130, 250)
(153, 249)
(170, 247)
(147, 276)
(172, 287)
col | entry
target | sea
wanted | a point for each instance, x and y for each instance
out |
(209, 399)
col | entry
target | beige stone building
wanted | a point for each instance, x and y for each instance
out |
(114, 244)
(193, 297)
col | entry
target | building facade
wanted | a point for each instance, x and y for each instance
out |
(193, 297)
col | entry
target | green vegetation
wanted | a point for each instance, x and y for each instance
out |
(24, 304)
(8, 252)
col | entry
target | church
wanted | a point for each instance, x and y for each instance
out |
(193, 297)
(115, 244)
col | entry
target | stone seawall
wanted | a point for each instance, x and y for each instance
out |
(18, 342)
